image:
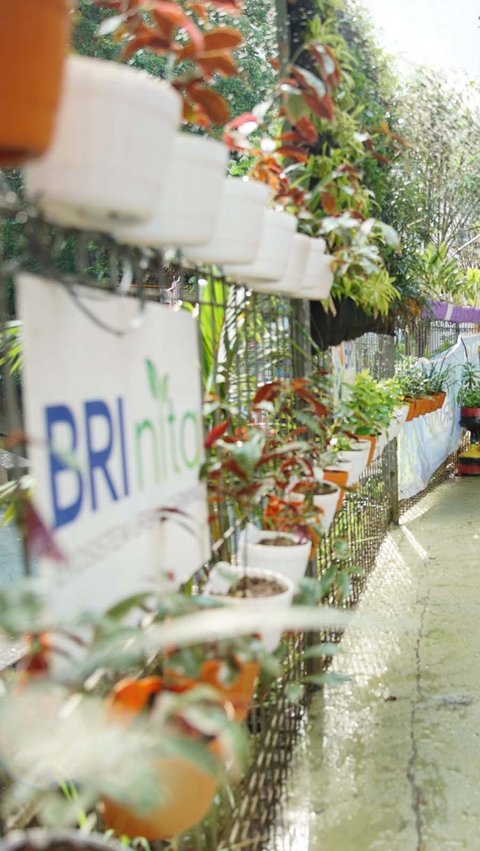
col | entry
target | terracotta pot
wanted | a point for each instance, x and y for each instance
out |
(338, 477)
(33, 45)
(189, 789)
(441, 399)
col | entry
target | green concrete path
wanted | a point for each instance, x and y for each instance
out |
(391, 761)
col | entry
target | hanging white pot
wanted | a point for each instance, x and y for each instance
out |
(238, 230)
(289, 560)
(293, 274)
(111, 149)
(326, 502)
(353, 461)
(380, 445)
(318, 271)
(397, 422)
(223, 576)
(272, 254)
(187, 209)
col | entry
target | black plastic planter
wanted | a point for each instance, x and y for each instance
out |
(349, 323)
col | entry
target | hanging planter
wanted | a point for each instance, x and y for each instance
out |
(252, 587)
(238, 691)
(353, 461)
(189, 789)
(325, 500)
(292, 280)
(318, 276)
(348, 323)
(187, 208)
(338, 478)
(397, 422)
(281, 552)
(381, 443)
(111, 151)
(238, 230)
(33, 46)
(273, 252)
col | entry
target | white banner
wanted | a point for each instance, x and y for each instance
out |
(113, 418)
(426, 442)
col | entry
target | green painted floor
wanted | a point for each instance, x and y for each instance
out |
(391, 760)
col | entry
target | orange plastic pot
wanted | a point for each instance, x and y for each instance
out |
(34, 38)
(439, 399)
(188, 789)
(238, 693)
(340, 478)
(412, 410)
(373, 442)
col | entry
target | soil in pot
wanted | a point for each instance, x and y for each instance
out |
(256, 586)
(281, 541)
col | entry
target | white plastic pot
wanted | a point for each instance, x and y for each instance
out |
(397, 422)
(353, 461)
(292, 280)
(238, 230)
(318, 272)
(219, 583)
(187, 209)
(111, 149)
(380, 445)
(272, 254)
(325, 502)
(287, 561)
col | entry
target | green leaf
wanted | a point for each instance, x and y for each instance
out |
(294, 692)
(329, 678)
(324, 649)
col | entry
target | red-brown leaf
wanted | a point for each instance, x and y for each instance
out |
(266, 392)
(322, 107)
(214, 434)
(307, 130)
(329, 204)
(217, 62)
(292, 153)
(213, 104)
(222, 38)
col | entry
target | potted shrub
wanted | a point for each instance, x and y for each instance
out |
(282, 552)
(252, 587)
(188, 788)
(30, 88)
(469, 398)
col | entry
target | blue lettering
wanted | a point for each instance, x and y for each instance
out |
(98, 458)
(63, 514)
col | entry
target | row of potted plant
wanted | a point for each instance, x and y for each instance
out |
(289, 486)
(424, 384)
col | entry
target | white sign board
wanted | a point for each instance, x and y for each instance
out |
(113, 418)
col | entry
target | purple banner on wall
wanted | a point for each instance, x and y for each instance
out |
(452, 312)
